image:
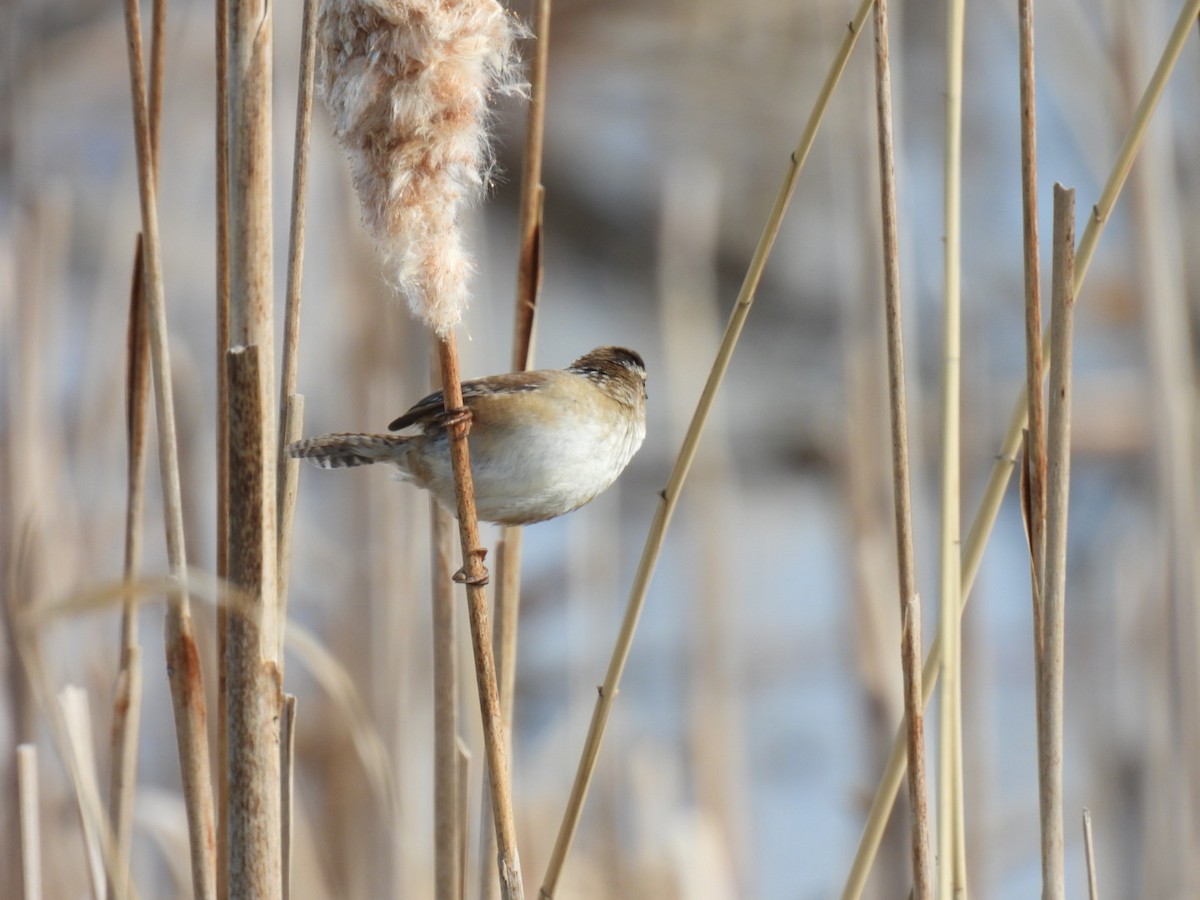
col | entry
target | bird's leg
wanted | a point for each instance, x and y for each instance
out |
(461, 575)
(459, 417)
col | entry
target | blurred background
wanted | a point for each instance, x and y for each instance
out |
(763, 691)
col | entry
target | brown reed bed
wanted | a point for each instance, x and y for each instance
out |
(350, 789)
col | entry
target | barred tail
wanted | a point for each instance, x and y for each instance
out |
(339, 451)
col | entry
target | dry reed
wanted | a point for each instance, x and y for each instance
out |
(1058, 473)
(187, 690)
(252, 652)
(1090, 856)
(29, 818)
(291, 404)
(951, 849)
(910, 602)
(127, 689)
(446, 784)
(407, 84)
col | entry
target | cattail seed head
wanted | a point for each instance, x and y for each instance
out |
(407, 83)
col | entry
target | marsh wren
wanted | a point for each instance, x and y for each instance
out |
(542, 443)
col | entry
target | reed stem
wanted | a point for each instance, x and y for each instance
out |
(1058, 455)
(910, 603)
(474, 576)
(183, 662)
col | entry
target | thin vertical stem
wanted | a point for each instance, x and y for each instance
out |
(910, 604)
(287, 780)
(183, 664)
(31, 839)
(291, 405)
(1036, 440)
(255, 697)
(446, 785)
(222, 537)
(950, 825)
(474, 576)
(529, 262)
(1058, 455)
(1089, 852)
(127, 699)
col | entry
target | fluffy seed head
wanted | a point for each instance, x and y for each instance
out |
(407, 83)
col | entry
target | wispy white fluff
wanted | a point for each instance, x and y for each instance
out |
(407, 83)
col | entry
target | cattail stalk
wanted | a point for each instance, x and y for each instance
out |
(127, 699)
(287, 804)
(989, 506)
(475, 577)
(1089, 852)
(1035, 442)
(127, 691)
(30, 828)
(407, 84)
(291, 404)
(446, 784)
(221, 40)
(254, 696)
(951, 877)
(910, 603)
(183, 661)
(1058, 455)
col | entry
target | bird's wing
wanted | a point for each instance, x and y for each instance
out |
(426, 413)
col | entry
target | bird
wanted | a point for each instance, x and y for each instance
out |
(542, 443)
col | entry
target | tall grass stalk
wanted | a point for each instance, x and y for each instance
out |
(29, 822)
(669, 497)
(1035, 441)
(910, 603)
(951, 874)
(989, 506)
(475, 577)
(287, 779)
(1034, 471)
(446, 785)
(1058, 472)
(1089, 853)
(291, 404)
(254, 696)
(183, 660)
(127, 689)
(221, 41)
